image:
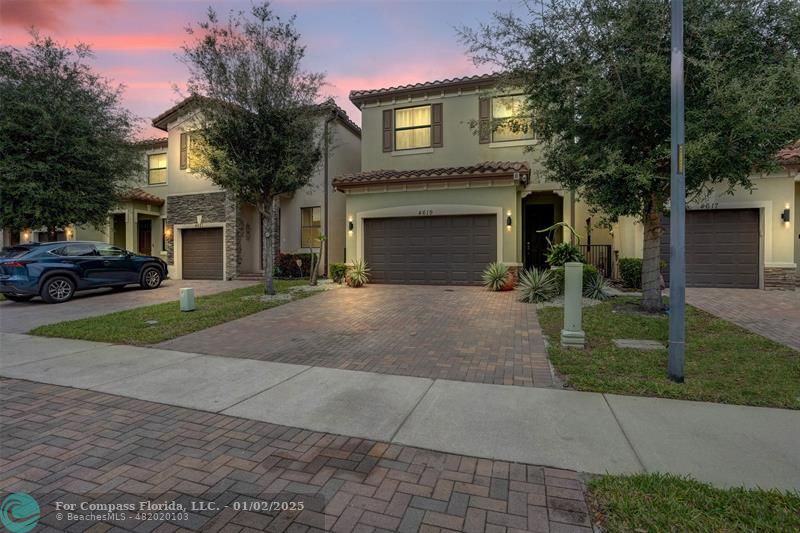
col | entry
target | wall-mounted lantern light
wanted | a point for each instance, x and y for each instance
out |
(786, 215)
(25, 236)
(199, 220)
(168, 232)
(508, 220)
(350, 225)
(68, 232)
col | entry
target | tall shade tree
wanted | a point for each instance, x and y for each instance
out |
(597, 78)
(257, 121)
(66, 150)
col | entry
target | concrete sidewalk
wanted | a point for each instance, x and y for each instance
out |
(723, 444)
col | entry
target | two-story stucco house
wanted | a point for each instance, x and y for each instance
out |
(437, 199)
(201, 230)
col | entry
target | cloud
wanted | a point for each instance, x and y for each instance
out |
(44, 14)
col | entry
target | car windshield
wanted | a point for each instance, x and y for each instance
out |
(13, 251)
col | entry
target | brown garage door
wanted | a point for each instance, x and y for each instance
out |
(446, 250)
(202, 253)
(721, 248)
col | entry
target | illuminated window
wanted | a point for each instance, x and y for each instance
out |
(311, 224)
(509, 121)
(412, 128)
(156, 169)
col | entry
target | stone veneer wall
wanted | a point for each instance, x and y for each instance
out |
(216, 207)
(780, 278)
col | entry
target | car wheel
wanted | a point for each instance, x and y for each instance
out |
(58, 289)
(15, 298)
(151, 278)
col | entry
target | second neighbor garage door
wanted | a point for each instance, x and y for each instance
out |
(201, 254)
(722, 248)
(443, 250)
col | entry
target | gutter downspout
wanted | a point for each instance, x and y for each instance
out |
(325, 201)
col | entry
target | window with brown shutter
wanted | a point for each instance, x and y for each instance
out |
(484, 121)
(184, 150)
(388, 130)
(437, 134)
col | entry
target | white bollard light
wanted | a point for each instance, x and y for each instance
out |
(572, 336)
(187, 299)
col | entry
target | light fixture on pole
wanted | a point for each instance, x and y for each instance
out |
(677, 249)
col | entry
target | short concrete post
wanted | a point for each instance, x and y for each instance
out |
(187, 299)
(572, 336)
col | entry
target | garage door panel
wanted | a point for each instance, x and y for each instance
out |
(722, 248)
(202, 253)
(430, 250)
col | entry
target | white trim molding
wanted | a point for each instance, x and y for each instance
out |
(177, 252)
(432, 210)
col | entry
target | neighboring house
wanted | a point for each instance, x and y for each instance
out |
(202, 231)
(436, 201)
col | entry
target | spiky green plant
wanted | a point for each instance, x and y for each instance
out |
(594, 287)
(537, 285)
(495, 277)
(358, 274)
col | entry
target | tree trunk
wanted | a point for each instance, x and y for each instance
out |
(651, 271)
(315, 257)
(267, 209)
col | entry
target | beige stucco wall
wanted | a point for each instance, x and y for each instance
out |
(441, 202)
(460, 146)
(770, 195)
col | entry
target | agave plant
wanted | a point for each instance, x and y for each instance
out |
(537, 285)
(594, 287)
(358, 274)
(496, 277)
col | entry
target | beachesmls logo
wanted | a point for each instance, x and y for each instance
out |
(19, 512)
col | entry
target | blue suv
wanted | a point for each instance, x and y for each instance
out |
(55, 270)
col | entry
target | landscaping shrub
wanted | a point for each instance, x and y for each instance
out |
(563, 252)
(537, 285)
(497, 277)
(594, 287)
(338, 271)
(286, 265)
(589, 271)
(630, 272)
(358, 274)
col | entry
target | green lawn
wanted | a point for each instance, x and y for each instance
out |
(657, 502)
(724, 363)
(130, 327)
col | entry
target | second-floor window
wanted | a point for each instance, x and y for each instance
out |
(509, 119)
(412, 127)
(156, 169)
(311, 224)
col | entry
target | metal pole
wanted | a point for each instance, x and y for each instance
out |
(677, 249)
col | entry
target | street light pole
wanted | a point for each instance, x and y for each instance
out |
(677, 249)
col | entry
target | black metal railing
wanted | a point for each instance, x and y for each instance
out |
(599, 255)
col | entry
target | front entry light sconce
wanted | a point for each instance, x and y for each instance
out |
(350, 226)
(786, 216)
(508, 220)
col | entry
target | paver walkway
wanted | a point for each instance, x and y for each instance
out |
(73, 446)
(20, 317)
(582, 431)
(771, 314)
(459, 333)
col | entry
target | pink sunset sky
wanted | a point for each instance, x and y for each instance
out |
(358, 44)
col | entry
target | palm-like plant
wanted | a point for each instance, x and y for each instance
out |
(496, 276)
(594, 287)
(358, 274)
(537, 285)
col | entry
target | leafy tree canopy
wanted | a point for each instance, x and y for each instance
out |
(259, 119)
(66, 150)
(596, 74)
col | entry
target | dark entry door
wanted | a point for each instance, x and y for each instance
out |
(443, 250)
(145, 236)
(537, 217)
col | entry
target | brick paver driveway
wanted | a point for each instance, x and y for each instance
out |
(459, 333)
(74, 446)
(16, 317)
(772, 314)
